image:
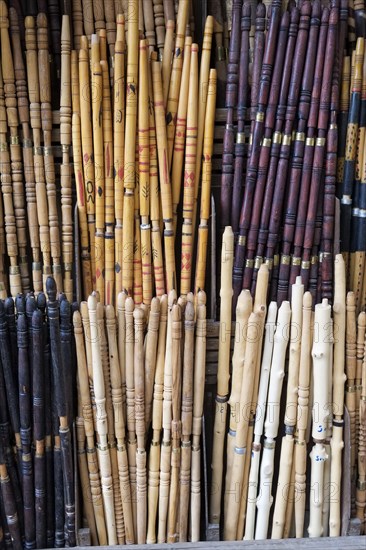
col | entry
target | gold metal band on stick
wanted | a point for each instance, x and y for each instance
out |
(208, 138)
(129, 175)
(165, 184)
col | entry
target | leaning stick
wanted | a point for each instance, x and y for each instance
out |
(259, 419)
(244, 308)
(49, 167)
(175, 80)
(174, 497)
(187, 418)
(87, 145)
(88, 424)
(166, 444)
(166, 65)
(151, 348)
(159, 26)
(98, 10)
(226, 293)
(204, 89)
(287, 446)
(156, 244)
(129, 176)
(144, 175)
(265, 498)
(165, 184)
(24, 118)
(149, 24)
(15, 281)
(118, 147)
(321, 414)
(351, 366)
(198, 396)
(157, 416)
(9, 505)
(102, 429)
(138, 315)
(361, 483)
(339, 378)
(189, 175)
(361, 331)
(206, 183)
(15, 151)
(180, 130)
(238, 461)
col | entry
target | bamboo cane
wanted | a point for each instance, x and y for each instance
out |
(222, 374)
(189, 175)
(157, 415)
(265, 498)
(129, 176)
(119, 146)
(198, 395)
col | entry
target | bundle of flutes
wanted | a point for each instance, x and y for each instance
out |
(37, 392)
(137, 371)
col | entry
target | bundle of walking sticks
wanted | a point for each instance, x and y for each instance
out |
(37, 503)
(264, 491)
(279, 173)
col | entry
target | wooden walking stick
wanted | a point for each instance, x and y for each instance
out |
(302, 416)
(144, 175)
(121, 322)
(9, 505)
(23, 110)
(174, 493)
(119, 424)
(149, 24)
(129, 176)
(130, 402)
(15, 282)
(87, 146)
(156, 244)
(119, 147)
(265, 498)
(361, 482)
(157, 418)
(175, 80)
(321, 413)
(287, 447)
(97, 82)
(102, 428)
(180, 130)
(259, 420)
(87, 413)
(49, 167)
(166, 444)
(227, 254)
(351, 365)
(189, 175)
(98, 11)
(15, 151)
(65, 139)
(187, 418)
(206, 184)
(165, 183)
(361, 331)
(244, 308)
(166, 65)
(238, 460)
(339, 377)
(203, 91)
(198, 396)
(151, 348)
(159, 26)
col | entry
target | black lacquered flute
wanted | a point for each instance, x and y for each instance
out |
(284, 152)
(264, 209)
(12, 330)
(351, 149)
(39, 429)
(10, 505)
(288, 31)
(60, 398)
(309, 97)
(241, 113)
(257, 135)
(230, 104)
(25, 410)
(65, 332)
(323, 119)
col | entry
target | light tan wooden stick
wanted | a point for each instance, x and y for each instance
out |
(151, 357)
